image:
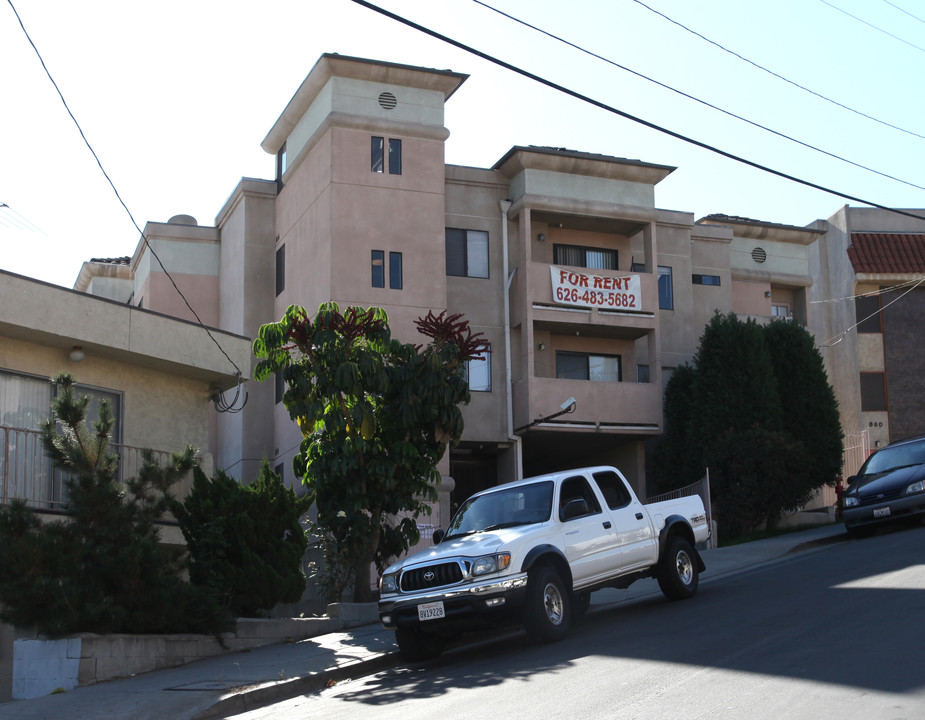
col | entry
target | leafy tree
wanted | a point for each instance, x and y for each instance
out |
(757, 409)
(807, 399)
(245, 542)
(102, 569)
(677, 460)
(377, 416)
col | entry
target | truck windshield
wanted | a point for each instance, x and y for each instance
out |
(521, 505)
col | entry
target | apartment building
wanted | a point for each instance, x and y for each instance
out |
(588, 293)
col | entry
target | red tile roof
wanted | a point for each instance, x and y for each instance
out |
(897, 253)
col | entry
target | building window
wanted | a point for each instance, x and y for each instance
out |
(466, 253)
(281, 165)
(781, 310)
(642, 374)
(377, 162)
(637, 267)
(378, 266)
(584, 366)
(873, 392)
(377, 155)
(665, 288)
(867, 314)
(280, 269)
(280, 387)
(478, 372)
(280, 470)
(395, 281)
(394, 157)
(586, 257)
(705, 280)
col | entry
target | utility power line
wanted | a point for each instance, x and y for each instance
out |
(696, 99)
(597, 103)
(238, 371)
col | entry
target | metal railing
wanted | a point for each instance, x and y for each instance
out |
(856, 449)
(27, 474)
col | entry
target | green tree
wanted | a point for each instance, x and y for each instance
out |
(102, 569)
(677, 459)
(245, 542)
(377, 416)
(808, 401)
(757, 409)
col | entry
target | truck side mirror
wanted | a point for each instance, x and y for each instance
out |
(574, 508)
(438, 535)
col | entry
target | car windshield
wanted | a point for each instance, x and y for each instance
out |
(890, 458)
(521, 505)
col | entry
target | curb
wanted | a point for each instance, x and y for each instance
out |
(256, 697)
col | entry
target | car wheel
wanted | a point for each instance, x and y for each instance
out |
(547, 614)
(677, 572)
(413, 644)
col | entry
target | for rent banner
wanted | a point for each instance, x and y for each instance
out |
(584, 290)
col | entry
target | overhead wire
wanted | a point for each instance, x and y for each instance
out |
(871, 25)
(831, 342)
(903, 10)
(144, 238)
(693, 97)
(778, 75)
(621, 113)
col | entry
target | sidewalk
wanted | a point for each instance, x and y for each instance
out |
(223, 686)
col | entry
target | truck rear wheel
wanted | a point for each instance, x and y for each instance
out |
(547, 614)
(677, 575)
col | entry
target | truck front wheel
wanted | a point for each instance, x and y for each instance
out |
(547, 614)
(677, 570)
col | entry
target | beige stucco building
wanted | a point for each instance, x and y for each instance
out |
(588, 292)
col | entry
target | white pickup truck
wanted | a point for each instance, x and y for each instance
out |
(531, 552)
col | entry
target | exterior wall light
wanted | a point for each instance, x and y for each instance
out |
(541, 237)
(77, 353)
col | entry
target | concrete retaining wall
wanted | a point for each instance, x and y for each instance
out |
(42, 666)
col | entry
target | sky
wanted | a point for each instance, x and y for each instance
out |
(176, 97)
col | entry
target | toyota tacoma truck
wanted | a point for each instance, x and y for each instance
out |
(531, 552)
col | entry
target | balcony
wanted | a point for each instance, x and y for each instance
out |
(27, 474)
(621, 407)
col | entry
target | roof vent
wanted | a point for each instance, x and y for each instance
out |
(182, 220)
(387, 101)
(759, 255)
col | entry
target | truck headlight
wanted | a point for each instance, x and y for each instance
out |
(491, 564)
(851, 501)
(388, 583)
(915, 487)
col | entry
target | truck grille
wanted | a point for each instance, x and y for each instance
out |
(431, 576)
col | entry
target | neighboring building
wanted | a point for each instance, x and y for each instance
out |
(871, 301)
(588, 293)
(157, 372)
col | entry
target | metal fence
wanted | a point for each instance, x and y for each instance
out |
(27, 474)
(856, 449)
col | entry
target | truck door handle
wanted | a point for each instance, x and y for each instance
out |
(607, 526)
(639, 516)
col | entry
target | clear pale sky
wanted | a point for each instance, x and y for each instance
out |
(175, 97)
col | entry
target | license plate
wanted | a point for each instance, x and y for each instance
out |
(882, 512)
(431, 611)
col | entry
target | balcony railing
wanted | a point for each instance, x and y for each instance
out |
(27, 474)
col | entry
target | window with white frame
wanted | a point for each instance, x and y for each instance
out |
(586, 366)
(466, 253)
(478, 372)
